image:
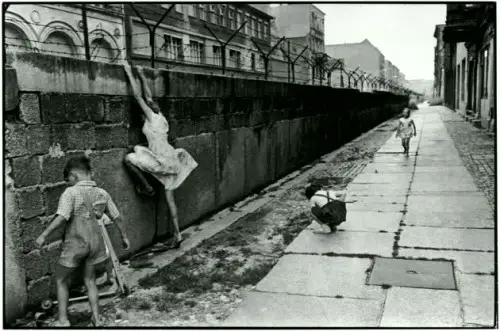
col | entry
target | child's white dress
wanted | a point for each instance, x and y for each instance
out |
(405, 129)
(169, 165)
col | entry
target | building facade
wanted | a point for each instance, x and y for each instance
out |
(191, 38)
(304, 26)
(58, 29)
(438, 89)
(363, 55)
(469, 61)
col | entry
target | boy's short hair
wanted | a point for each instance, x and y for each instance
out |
(311, 190)
(79, 163)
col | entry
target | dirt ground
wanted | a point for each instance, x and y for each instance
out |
(202, 287)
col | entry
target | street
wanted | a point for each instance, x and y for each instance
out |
(422, 210)
(417, 249)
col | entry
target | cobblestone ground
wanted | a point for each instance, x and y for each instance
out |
(202, 287)
(477, 150)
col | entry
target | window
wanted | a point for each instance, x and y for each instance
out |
(231, 22)
(266, 30)
(252, 58)
(192, 10)
(201, 12)
(178, 8)
(484, 73)
(257, 29)
(235, 59)
(261, 63)
(239, 19)
(222, 15)
(457, 89)
(462, 90)
(173, 47)
(254, 27)
(217, 51)
(212, 18)
(247, 27)
(197, 52)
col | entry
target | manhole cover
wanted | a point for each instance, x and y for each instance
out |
(413, 273)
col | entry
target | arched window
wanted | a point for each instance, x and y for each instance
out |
(15, 39)
(101, 50)
(59, 43)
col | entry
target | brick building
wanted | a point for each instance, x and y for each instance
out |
(469, 61)
(303, 25)
(57, 29)
(183, 41)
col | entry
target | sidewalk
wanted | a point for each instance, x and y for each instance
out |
(417, 249)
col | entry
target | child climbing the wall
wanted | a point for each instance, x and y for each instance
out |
(327, 207)
(83, 243)
(406, 130)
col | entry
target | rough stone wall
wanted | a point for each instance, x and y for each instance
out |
(244, 134)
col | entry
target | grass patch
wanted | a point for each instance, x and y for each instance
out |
(133, 302)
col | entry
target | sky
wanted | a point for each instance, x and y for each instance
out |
(404, 33)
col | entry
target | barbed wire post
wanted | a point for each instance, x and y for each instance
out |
(350, 75)
(372, 81)
(292, 62)
(224, 44)
(331, 69)
(266, 56)
(289, 60)
(152, 31)
(85, 32)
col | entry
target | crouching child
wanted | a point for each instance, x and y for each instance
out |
(327, 206)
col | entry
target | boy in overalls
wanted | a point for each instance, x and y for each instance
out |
(83, 243)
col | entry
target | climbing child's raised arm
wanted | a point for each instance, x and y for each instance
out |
(137, 92)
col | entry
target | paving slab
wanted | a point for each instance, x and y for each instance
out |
(480, 219)
(447, 203)
(455, 175)
(321, 276)
(443, 185)
(369, 221)
(388, 168)
(447, 238)
(261, 309)
(382, 178)
(393, 158)
(384, 199)
(370, 189)
(466, 262)
(425, 160)
(343, 242)
(376, 207)
(478, 298)
(410, 307)
(413, 273)
(438, 151)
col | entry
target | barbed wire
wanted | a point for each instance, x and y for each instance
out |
(309, 67)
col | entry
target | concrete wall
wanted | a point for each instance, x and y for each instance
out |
(244, 134)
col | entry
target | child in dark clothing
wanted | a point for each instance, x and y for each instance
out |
(327, 206)
(83, 243)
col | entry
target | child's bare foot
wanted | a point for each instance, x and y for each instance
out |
(61, 324)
